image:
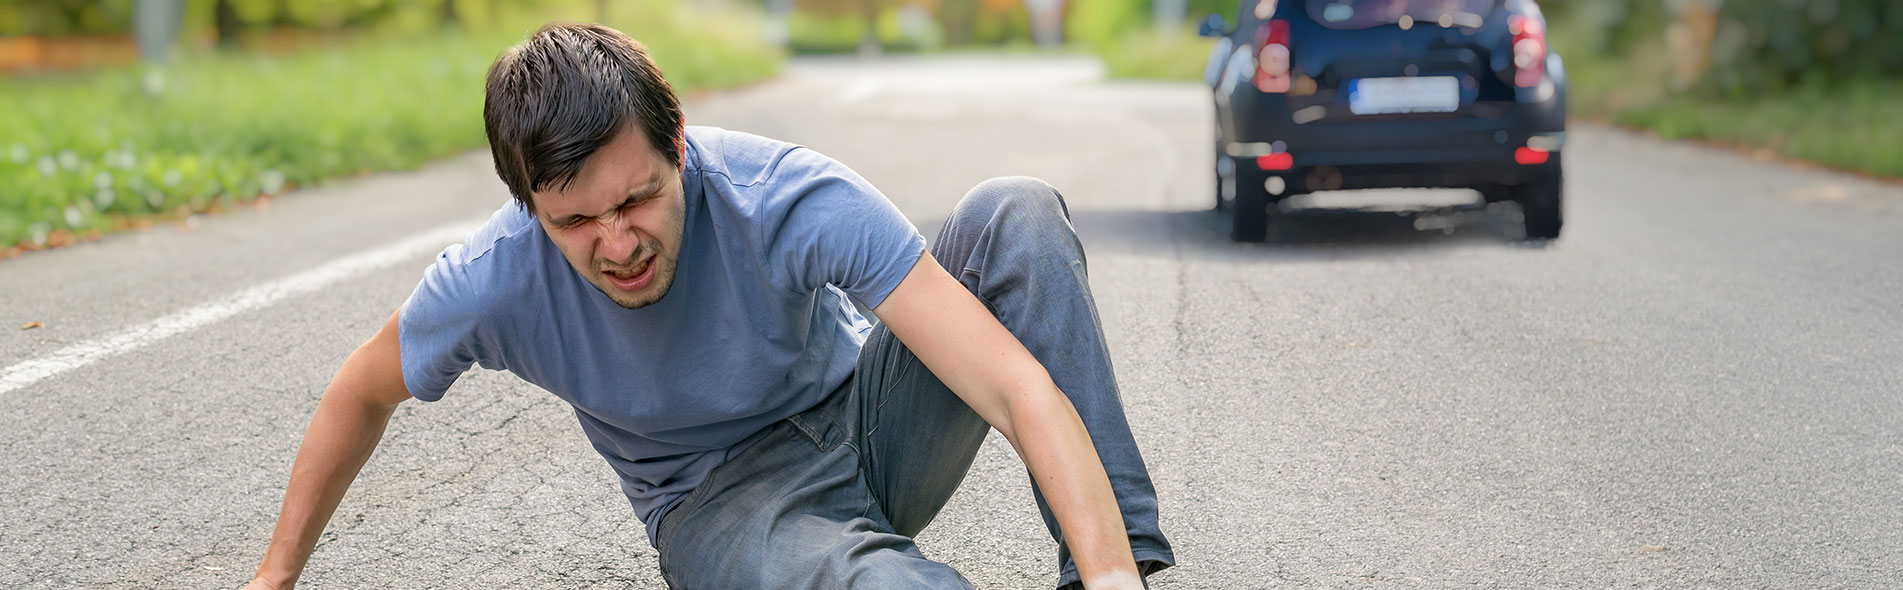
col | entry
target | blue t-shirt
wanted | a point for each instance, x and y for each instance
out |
(757, 326)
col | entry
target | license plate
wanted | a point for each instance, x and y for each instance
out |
(1428, 94)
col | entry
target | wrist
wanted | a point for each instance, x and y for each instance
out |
(273, 578)
(263, 583)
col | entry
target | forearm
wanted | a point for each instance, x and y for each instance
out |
(342, 435)
(1056, 448)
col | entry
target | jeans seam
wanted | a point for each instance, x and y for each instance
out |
(866, 484)
(885, 393)
(669, 522)
(800, 425)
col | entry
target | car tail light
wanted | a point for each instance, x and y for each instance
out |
(1275, 161)
(1529, 50)
(1527, 156)
(1272, 60)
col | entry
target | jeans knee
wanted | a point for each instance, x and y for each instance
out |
(1014, 195)
(1016, 206)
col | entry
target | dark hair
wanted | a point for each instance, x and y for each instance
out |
(556, 98)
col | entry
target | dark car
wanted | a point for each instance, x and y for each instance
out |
(1318, 95)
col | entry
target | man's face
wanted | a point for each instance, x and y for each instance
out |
(619, 222)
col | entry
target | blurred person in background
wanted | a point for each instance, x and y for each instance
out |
(690, 292)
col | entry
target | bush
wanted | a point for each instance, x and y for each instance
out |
(1771, 95)
(87, 153)
(1152, 56)
(1773, 45)
(819, 34)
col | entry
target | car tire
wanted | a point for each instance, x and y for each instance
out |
(1221, 204)
(1250, 215)
(1541, 201)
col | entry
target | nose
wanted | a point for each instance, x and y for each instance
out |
(618, 239)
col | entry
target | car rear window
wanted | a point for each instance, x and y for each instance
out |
(1362, 14)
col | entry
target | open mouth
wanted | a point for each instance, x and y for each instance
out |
(632, 279)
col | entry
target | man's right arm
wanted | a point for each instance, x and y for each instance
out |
(345, 429)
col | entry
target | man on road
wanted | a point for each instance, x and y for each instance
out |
(690, 292)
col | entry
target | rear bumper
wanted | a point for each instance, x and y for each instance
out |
(1328, 135)
(1475, 169)
(1397, 151)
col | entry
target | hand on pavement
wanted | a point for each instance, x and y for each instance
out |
(261, 584)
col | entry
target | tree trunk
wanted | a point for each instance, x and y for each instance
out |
(281, 15)
(155, 25)
(958, 16)
(226, 24)
(870, 44)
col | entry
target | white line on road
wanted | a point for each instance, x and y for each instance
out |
(84, 353)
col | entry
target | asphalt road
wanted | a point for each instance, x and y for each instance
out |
(1696, 387)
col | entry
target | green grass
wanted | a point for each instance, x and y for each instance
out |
(1858, 128)
(1152, 56)
(1855, 126)
(82, 154)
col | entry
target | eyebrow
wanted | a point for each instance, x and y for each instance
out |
(635, 196)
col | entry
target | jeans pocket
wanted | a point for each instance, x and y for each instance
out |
(819, 427)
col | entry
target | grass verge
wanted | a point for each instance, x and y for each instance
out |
(1856, 126)
(1156, 57)
(85, 154)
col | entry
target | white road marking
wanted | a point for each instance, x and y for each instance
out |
(85, 353)
(861, 90)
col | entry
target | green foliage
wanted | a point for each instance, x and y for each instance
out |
(64, 17)
(1757, 46)
(104, 17)
(1103, 23)
(1106, 23)
(811, 33)
(85, 152)
(1152, 56)
(1857, 126)
(1775, 44)
(1123, 34)
(1843, 116)
(1201, 9)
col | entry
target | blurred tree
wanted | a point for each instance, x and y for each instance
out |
(958, 16)
(1101, 22)
(1769, 45)
(1746, 47)
(225, 24)
(65, 17)
(155, 23)
(869, 10)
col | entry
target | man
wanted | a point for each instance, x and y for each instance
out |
(689, 292)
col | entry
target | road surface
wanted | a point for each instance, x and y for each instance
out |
(1699, 385)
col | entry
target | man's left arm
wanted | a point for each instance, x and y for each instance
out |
(965, 346)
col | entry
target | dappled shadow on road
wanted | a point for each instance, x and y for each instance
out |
(1302, 233)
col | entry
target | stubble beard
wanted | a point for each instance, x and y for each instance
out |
(657, 287)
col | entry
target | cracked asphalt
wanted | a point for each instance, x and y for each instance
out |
(1696, 387)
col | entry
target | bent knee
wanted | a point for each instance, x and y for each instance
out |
(1014, 196)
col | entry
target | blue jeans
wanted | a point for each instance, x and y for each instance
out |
(831, 498)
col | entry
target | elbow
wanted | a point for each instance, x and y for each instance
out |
(1037, 407)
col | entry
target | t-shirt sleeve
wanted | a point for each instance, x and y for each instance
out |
(824, 224)
(441, 328)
